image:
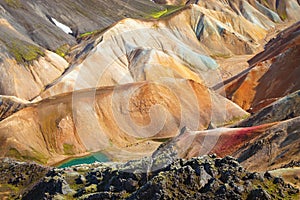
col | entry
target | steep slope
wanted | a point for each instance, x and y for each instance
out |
(10, 105)
(29, 29)
(27, 78)
(177, 45)
(271, 135)
(276, 147)
(285, 108)
(274, 73)
(37, 19)
(259, 11)
(114, 119)
(222, 30)
(273, 144)
(221, 141)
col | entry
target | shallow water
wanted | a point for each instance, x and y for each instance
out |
(98, 156)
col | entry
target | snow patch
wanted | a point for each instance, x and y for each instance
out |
(62, 26)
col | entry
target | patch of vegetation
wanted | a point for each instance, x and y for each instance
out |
(23, 52)
(155, 26)
(220, 55)
(35, 156)
(271, 188)
(166, 12)
(87, 33)
(62, 50)
(234, 120)
(9, 191)
(13, 152)
(283, 16)
(111, 144)
(161, 139)
(68, 149)
(92, 33)
(14, 3)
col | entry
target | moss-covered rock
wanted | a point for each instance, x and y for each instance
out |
(14, 3)
(206, 177)
(63, 50)
(24, 52)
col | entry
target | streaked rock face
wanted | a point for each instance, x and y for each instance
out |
(274, 74)
(26, 81)
(166, 82)
(119, 116)
(138, 82)
(10, 105)
(176, 46)
(274, 145)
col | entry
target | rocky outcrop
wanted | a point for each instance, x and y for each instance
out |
(274, 144)
(19, 177)
(276, 147)
(10, 105)
(289, 174)
(221, 141)
(204, 177)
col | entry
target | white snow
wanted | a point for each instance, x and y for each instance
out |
(63, 27)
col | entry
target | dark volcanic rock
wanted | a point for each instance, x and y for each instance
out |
(16, 177)
(259, 194)
(275, 147)
(204, 177)
(293, 163)
(285, 108)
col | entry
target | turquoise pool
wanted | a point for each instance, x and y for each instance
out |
(98, 156)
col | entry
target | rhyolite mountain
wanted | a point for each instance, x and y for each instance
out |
(156, 60)
(165, 83)
(28, 31)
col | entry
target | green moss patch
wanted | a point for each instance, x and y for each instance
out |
(62, 50)
(22, 51)
(12, 152)
(26, 155)
(14, 3)
(92, 33)
(68, 149)
(87, 34)
(167, 11)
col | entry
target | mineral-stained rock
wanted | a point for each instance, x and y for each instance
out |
(274, 144)
(147, 51)
(276, 147)
(112, 117)
(285, 108)
(274, 74)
